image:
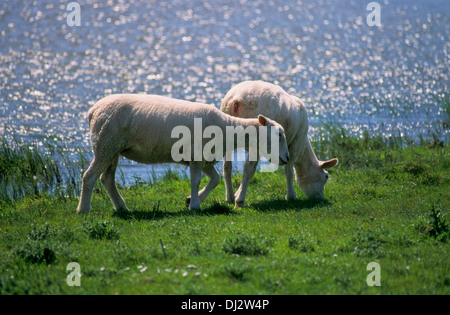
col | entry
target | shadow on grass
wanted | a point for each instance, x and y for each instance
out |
(282, 205)
(157, 214)
(222, 209)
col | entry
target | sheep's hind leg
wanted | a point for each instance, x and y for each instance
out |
(193, 201)
(108, 180)
(249, 172)
(227, 172)
(289, 172)
(89, 178)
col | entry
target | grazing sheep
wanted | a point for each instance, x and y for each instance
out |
(141, 127)
(251, 97)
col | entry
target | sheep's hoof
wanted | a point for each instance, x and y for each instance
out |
(188, 201)
(188, 204)
(239, 204)
(122, 210)
(231, 201)
(290, 198)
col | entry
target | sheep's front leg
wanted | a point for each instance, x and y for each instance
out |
(289, 172)
(214, 179)
(196, 176)
(249, 172)
(227, 172)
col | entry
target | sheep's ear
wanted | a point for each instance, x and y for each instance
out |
(328, 164)
(236, 108)
(262, 120)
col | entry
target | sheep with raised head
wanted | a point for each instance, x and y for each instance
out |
(141, 128)
(250, 97)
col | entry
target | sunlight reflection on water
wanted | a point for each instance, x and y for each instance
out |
(389, 79)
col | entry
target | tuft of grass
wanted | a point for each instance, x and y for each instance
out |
(301, 243)
(352, 151)
(368, 243)
(36, 252)
(171, 175)
(27, 172)
(41, 233)
(247, 245)
(414, 168)
(439, 228)
(101, 229)
(237, 271)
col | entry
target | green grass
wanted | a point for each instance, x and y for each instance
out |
(26, 172)
(386, 202)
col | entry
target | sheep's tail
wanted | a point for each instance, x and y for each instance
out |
(90, 114)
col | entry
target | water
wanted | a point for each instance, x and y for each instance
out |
(388, 79)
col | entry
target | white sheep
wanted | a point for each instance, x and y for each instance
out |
(251, 97)
(140, 127)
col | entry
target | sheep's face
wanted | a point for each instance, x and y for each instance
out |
(313, 182)
(276, 130)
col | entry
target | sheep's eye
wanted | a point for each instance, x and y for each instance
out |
(326, 176)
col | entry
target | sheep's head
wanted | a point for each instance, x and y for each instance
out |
(274, 132)
(313, 181)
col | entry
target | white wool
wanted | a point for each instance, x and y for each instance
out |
(139, 127)
(250, 98)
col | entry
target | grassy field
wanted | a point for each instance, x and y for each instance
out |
(386, 202)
